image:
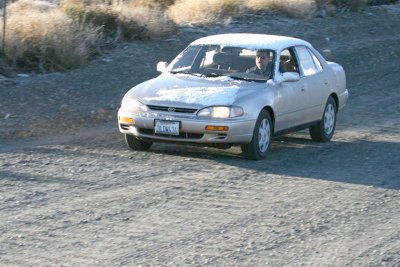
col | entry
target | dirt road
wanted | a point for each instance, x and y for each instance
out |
(72, 194)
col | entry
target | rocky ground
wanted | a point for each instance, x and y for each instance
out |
(72, 194)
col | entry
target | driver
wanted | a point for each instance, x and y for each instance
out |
(263, 66)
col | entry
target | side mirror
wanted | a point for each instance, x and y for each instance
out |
(288, 77)
(162, 66)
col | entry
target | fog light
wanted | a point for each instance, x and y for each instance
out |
(126, 120)
(217, 128)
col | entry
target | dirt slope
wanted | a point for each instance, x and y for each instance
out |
(74, 195)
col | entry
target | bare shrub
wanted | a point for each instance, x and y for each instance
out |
(185, 12)
(292, 8)
(94, 12)
(28, 5)
(47, 40)
(133, 19)
(142, 21)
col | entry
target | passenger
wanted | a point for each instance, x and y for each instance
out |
(263, 66)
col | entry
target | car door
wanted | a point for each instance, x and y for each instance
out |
(314, 81)
(291, 104)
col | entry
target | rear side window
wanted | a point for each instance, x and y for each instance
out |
(316, 61)
(308, 62)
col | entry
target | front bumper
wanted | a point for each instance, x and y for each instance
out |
(192, 129)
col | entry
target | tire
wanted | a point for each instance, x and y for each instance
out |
(262, 138)
(136, 144)
(325, 129)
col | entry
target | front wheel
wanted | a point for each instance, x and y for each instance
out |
(261, 141)
(325, 129)
(136, 144)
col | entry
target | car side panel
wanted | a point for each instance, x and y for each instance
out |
(318, 91)
(290, 105)
(338, 85)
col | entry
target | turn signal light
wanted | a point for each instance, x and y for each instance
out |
(126, 120)
(217, 128)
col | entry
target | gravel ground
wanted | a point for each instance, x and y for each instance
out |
(72, 194)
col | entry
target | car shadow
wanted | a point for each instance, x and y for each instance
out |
(371, 163)
(365, 162)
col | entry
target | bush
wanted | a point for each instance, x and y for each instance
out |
(28, 5)
(291, 8)
(47, 40)
(133, 19)
(143, 22)
(92, 12)
(185, 12)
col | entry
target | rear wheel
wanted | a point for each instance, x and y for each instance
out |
(261, 141)
(325, 129)
(136, 144)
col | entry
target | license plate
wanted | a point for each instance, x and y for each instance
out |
(166, 127)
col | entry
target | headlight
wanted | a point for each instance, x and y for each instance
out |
(132, 105)
(221, 112)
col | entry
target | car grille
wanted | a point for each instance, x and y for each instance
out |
(172, 109)
(182, 135)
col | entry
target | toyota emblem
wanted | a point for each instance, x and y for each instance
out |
(171, 109)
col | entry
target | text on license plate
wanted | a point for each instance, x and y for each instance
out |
(166, 127)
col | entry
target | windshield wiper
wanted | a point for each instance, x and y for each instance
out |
(186, 72)
(253, 79)
(211, 74)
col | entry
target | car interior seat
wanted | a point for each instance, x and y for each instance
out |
(287, 65)
(221, 60)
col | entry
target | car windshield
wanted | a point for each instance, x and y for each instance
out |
(215, 60)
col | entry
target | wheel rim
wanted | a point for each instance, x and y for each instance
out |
(329, 119)
(264, 134)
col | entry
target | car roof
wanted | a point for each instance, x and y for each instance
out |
(251, 41)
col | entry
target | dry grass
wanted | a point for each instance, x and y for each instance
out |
(133, 19)
(138, 20)
(185, 12)
(94, 12)
(27, 5)
(292, 8)
(48, 40)
(188, 12)
(194, 12)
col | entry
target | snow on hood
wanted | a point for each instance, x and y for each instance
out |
(205, 96)
(183, 90)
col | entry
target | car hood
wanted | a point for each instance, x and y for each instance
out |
(183, 90)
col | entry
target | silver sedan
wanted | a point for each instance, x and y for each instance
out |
(236, 89)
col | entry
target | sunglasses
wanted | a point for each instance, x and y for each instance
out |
(262, 57)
